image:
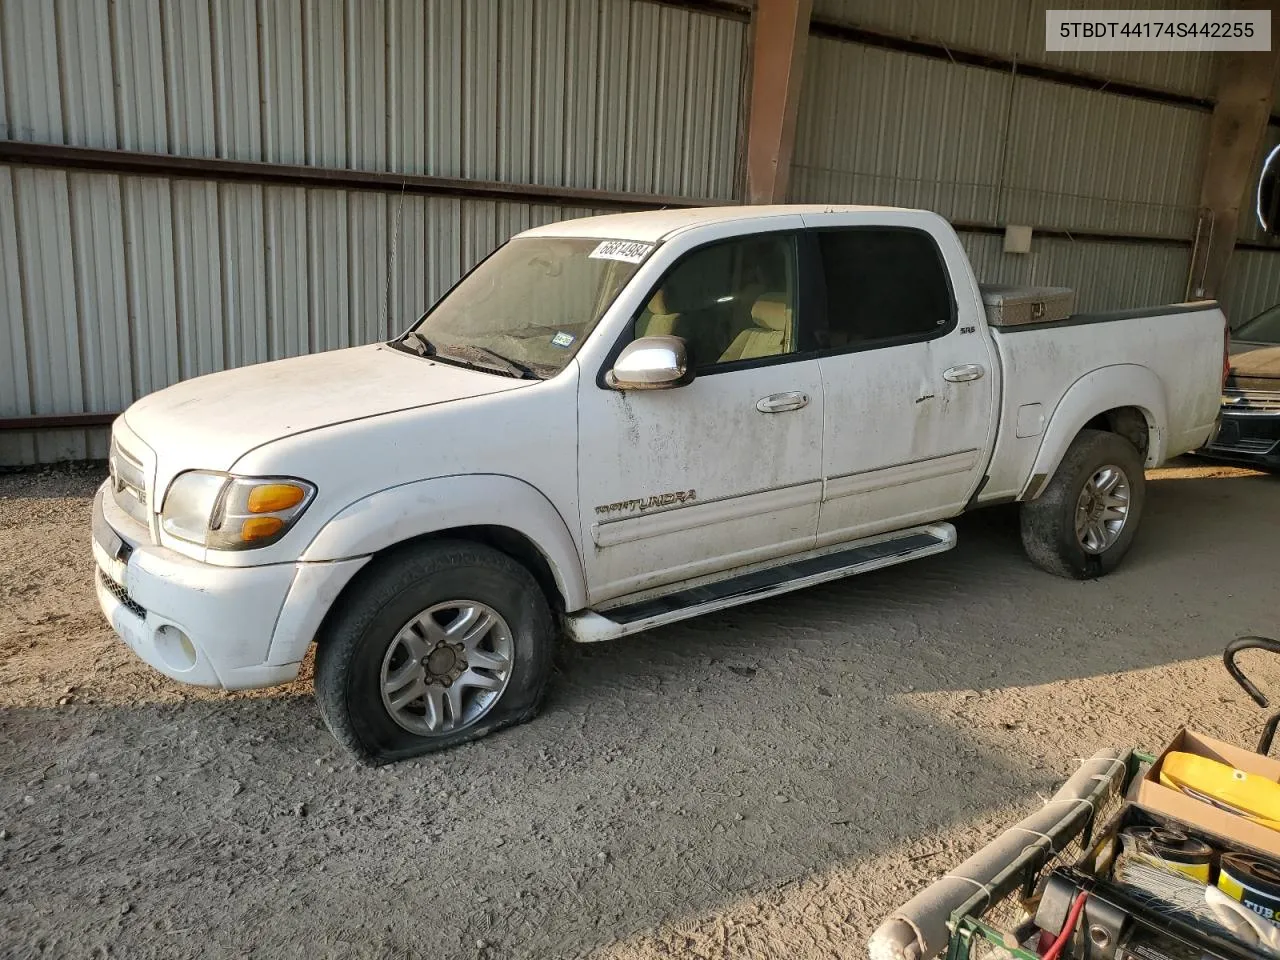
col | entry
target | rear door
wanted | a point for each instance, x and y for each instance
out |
(908, 382)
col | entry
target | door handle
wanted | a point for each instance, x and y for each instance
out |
(964, 372)
(782, 402)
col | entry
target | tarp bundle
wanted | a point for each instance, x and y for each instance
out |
(918, 929)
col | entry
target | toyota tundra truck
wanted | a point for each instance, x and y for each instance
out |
(616, 423)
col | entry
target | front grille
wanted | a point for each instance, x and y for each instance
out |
(1251, 400)
(121, 594)
(128, 484)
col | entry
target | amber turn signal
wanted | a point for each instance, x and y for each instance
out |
(273, 497)
(260, 528)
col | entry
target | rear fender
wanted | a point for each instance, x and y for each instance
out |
(401, 513)
(1121, 385)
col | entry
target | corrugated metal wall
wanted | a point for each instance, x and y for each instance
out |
(1080, 160)
(975, 144)
(991, 147)
(1253, 284)
(128, 284)
(605, 94)
(876, 126)
(1105, 276)
(1014, 29)
(114, 286)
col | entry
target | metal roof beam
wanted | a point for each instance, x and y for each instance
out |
(780, 32)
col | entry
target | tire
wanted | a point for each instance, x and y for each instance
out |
(1049, 523)
(392, 624)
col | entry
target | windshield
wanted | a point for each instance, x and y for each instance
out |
(1264, 328)
(532, 303)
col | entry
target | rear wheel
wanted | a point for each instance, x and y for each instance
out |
(436, 645)
(1085, 521)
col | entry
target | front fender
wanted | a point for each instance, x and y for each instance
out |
(1121, 385)
(410, 510)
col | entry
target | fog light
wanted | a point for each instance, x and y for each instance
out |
(175, 648)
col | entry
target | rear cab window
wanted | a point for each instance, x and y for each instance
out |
(884, 285)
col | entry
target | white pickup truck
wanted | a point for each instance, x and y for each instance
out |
(616, 423)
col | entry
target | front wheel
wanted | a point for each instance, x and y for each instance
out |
(1085, 521)
(435, 645)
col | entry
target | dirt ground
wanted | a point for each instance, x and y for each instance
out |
(767, 782)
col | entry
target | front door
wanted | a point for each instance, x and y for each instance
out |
(725, 471)
(908, 384)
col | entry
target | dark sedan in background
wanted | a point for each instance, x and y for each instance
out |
(1249, 431)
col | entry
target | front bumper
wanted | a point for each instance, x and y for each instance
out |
(212, 626)
(1246, 437)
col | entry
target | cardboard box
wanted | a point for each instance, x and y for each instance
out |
(1148, 792)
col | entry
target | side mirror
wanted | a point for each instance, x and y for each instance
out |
(651, 363)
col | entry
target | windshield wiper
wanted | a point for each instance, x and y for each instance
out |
(514, 367)
(420, 344)
(497, 362)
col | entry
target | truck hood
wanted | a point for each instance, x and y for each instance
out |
(210, 422)
(1254, 366)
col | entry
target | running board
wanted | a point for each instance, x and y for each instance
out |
(804, 570)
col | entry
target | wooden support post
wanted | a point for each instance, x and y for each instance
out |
(781, 31)
(1236, 131)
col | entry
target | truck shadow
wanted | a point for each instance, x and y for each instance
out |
(1199, 574)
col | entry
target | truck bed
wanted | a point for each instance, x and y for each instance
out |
(1180, 345)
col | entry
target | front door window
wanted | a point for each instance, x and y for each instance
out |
(731, 302)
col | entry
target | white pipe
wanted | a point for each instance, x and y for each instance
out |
(918, 929)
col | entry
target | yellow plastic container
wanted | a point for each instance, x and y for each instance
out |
(1244, 794)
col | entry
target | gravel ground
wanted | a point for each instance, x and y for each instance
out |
(767, 782)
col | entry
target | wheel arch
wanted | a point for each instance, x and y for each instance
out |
(502, 512)
(1125, 399)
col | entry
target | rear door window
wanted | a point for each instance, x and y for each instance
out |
(884, 285)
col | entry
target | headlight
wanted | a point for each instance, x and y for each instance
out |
(233, 513)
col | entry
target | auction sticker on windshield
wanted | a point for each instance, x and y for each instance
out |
(627, 251)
